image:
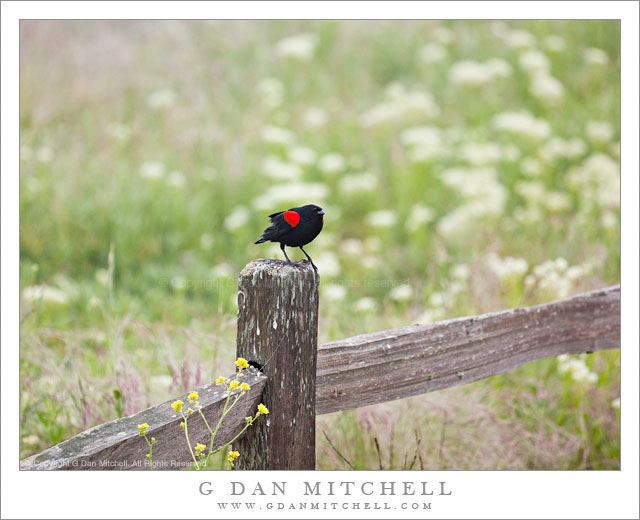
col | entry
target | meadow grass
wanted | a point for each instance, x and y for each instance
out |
(465, 167)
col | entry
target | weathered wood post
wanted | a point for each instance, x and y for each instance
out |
(278, 329)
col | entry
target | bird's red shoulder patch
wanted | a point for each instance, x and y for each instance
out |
(292, 218)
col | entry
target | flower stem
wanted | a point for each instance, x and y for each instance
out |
(186, 434)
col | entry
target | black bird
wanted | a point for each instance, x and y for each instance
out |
(295, 227)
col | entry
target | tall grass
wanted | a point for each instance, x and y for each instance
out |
(152, 152)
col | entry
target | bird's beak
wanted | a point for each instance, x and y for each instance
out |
(321, 212)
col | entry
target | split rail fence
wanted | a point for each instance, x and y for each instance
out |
(278, 331)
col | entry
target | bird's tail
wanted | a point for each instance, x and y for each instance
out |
(268, 234)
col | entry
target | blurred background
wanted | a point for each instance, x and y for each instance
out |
(465, 167)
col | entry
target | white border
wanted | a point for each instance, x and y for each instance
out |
(476, 494)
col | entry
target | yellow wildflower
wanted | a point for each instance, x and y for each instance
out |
(143, 428)
(193, 396)
(249, 420)
(262, 409)
(183, 425)
(189, 411)
(232, 456)
(220, 380)
(245, 387)
(177, 406)
(233, 385)
(242, 363)
(199, 448)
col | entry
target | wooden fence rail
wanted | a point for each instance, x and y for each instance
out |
(277, 331)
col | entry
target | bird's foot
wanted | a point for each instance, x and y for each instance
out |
(314, 266)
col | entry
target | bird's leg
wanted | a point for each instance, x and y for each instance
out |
(285, 253)
(312, 264)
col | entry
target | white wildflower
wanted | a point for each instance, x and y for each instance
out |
(44, 154)
(152, 170)
(534, 62)
(334, 292)
(33, 440)
(466, 221)
(102, 276)
(402, 292)
(523, 124)
(291, 192)
(614, 149)
(222, 270)
(302, 155)
(365, 305)
(399, 104)
(532, 191)
(176, 179)
(332, 163)
(432, 53)
(616, 403)
(511, 153)
(556, 148)
(206, 241)
(430, 316)
(498, 67)
(508, 270)
(443, 35)
(358, 183)
(460, 272)
(314, 117)
(423, 143)
(478, 184)
(469, 73)
(277, 135)
(546, 88)
(301, 46)
(275, 168)
(577, 369)
(44, 293)
(328, 264)
(119, 131)
(609, 220)
(352, 247)
(382, 218)
(555, 278)
(161, 98)
(26, 152)
(237, 218)
(519, 39)
(597, 180)
(595, 56)
(370, 262)
(555, 43)
(438, 299)
(531, 167)
(179, 283)
(418, 217)
(271, 92)
(556, 201)
(373, 244)
(599, 131)
(480, 154)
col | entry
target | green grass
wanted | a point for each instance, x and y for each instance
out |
(158, 318)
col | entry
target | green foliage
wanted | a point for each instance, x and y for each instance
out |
(149, 165)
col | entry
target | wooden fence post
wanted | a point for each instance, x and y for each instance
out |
(278, 329)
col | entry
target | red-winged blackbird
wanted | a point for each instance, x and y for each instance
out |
(295, 227)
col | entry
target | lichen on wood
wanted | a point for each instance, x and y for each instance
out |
(278, 329)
